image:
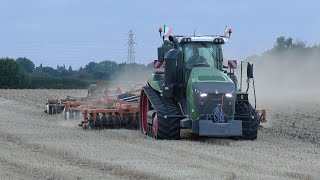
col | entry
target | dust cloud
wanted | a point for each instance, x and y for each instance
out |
(129, 78)
(286, 76)
(70, 123)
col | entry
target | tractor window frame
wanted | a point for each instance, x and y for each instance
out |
(211, 56)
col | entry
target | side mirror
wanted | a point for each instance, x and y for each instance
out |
(171, 38)
(249, 71)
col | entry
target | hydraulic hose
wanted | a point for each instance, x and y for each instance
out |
(181, 108)
(248, 85)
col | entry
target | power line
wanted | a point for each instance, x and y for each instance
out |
(131, 50)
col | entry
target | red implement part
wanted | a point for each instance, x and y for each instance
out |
(120, 108)
(78, 106)
(263, 114)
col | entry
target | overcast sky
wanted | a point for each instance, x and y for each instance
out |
(75, 32)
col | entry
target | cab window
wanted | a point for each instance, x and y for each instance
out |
(200, 53)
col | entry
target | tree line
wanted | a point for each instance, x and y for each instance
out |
(286, 49)
(22, 73)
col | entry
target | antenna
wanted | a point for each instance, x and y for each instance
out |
(131, 50)
(225, 29)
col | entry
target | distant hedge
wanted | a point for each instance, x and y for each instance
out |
(47, 82)
(21, 73)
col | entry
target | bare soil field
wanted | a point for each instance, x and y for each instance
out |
(34, 145)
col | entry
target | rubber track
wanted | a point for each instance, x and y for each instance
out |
(249, 126)
(167, 128)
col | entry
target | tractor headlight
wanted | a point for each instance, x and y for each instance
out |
(203, 95)
(228, 95)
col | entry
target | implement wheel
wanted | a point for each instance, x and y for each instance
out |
(117, 121)
(110, 122)
(155, 126)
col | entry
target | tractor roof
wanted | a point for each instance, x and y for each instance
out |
(206, 38)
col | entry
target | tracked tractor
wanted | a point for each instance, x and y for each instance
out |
(194, 91)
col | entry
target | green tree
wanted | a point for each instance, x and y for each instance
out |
(299, 45)
(101, 70)
(50, 71)
(26, 64)
(70, 69)
(280, 43)
(61, 70)
(90, 67)
(105, 69)
(12, 75)
(288, 43)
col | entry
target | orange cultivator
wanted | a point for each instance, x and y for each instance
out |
(118, 111)
(109, 108)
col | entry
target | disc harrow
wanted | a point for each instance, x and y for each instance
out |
(121, 115)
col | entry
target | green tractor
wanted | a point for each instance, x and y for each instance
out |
(194, 92)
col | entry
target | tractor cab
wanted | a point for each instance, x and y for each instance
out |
(200, 54)
(202, 51)
(197, 51)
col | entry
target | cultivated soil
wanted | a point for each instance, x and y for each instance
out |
(34, 145)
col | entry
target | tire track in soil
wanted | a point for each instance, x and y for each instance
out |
(68, 159)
